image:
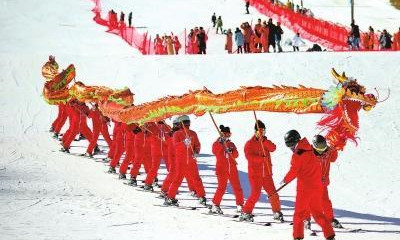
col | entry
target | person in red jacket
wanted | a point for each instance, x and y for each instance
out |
(99, 124)
(306, 167)
(119, 147)
(129, 150)
(226, 153)
(60, 120)
(73, 130)
(186, 145)
(142, 154)
(257, 151)
(326, 155)
(83, 127)
(159, 151)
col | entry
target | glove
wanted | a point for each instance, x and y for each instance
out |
(282, 182)
(187, 141)
(229, 150)
(221, 140)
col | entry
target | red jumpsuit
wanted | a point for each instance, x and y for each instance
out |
(99, 126)
(260, 173)
(142, 154)
(226, 170)
(307, 168)
(186, 165)
(61, 118)
(325, 160)
(129, 150)
(119, 141)
(73, 129)
(159, 149)
(113, 143)
(83, 127)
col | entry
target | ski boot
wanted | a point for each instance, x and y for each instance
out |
(203, 201)
(239, 208)
(216, 209)
(307, 224)
(63, 149)
(148, 188)
(122, 176)
(278, 216)
(247, 217)
(87, 155)
(336, 224)
(133, 181)
(331, 237)
(81, 137)
(171, 202)
(51, 129)
(112, 170)
(106, 160)
(155, 182)
(55, 136)
(96, 150)
(193, 194)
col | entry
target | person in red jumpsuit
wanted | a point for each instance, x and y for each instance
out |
(306, 167)
(113, 143)
(159, 151)
(119, 147)
(186, 145)
(73, 130)
(99, 123)
(326, 155)
(84, 130)
(257, 151)
(60, 120)
(129, 150)
(226, 152)
(142, 154)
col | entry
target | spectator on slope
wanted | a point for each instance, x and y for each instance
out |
(257, 32)
(214, 20)
(385, 40)
(202, 39)
(278, 36)
(247, 6)
(219, 24)
(122, 17)
(122, 29)
(265, 37)
(297, 41)
(369, 41)
(396, 41)
(158, 45)
(170, 45)
(306, 167)
(195, 41)
(130, 19)
(356, 36)
(228, 42)
(187, 146)
(239, 39)
(247, 32)
(226, 152)
(177, 45)
(272, 33)
(257, 151)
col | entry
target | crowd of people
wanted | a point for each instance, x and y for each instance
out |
(178, 146)
(166, 45)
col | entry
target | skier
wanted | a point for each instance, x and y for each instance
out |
(159, 151)
(214, 20)
(186, 145)
(142, 154)
(306, 167)
(129, 150)
(60, 120)
(226, 152)
(73, 130)
(257, 151)
(119, 147)
(326, 155)
(99, 124)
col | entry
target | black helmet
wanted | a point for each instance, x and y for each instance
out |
(319, 143)
(292, 138)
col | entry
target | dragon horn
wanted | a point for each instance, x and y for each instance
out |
(341, 79)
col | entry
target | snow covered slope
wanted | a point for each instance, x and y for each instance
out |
(45, 194)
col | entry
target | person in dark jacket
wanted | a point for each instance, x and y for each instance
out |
(272, 33)
(278, 36)
(214, 19)
(130, 19)
(356, 35)
(202, 39)
(247, 7)
(385, 40)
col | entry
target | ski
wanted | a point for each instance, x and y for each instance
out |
(179, 207)
(265, 224)
(222, 215)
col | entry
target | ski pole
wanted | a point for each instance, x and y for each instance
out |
(262, 146)
(277, 190)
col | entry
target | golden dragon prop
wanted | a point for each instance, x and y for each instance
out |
(340, 104)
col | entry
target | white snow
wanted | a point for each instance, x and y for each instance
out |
(45, 194)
